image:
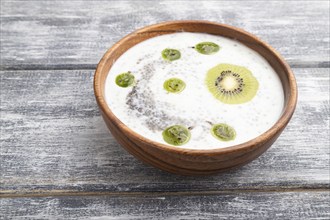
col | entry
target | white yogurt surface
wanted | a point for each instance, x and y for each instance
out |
(148, 109)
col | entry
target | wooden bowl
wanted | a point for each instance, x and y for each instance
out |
(189, 161)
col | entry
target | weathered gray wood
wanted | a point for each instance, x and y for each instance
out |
(71, 34)
(298, 205)
(54, 141)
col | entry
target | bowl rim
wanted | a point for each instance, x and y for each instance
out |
(287, 113)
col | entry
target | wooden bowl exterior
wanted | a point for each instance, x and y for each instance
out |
(188, 161)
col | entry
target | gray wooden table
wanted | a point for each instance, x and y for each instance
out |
(58, 160)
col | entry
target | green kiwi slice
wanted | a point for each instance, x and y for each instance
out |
(174, 85)
(176, 135)
(125, 79)
(231, 84)
(223, 132)
(207, 48)
(171, 54)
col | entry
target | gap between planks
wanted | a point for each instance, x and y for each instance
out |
(293, 64)
(57, 193)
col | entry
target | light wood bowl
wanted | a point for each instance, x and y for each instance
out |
(188, 161)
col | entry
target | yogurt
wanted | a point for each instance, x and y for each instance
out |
(147, 108)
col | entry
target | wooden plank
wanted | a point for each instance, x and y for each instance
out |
(75, 34)
(53, 140)
(288, 205)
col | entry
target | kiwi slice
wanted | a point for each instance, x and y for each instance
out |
(223, 132)
(174, 85)
(231, 84)
(207, 48)
(176, 135)
(171, 54)
(125, 79)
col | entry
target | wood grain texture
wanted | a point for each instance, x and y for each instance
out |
(54, 141)
(75, 34)
(301, 205)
